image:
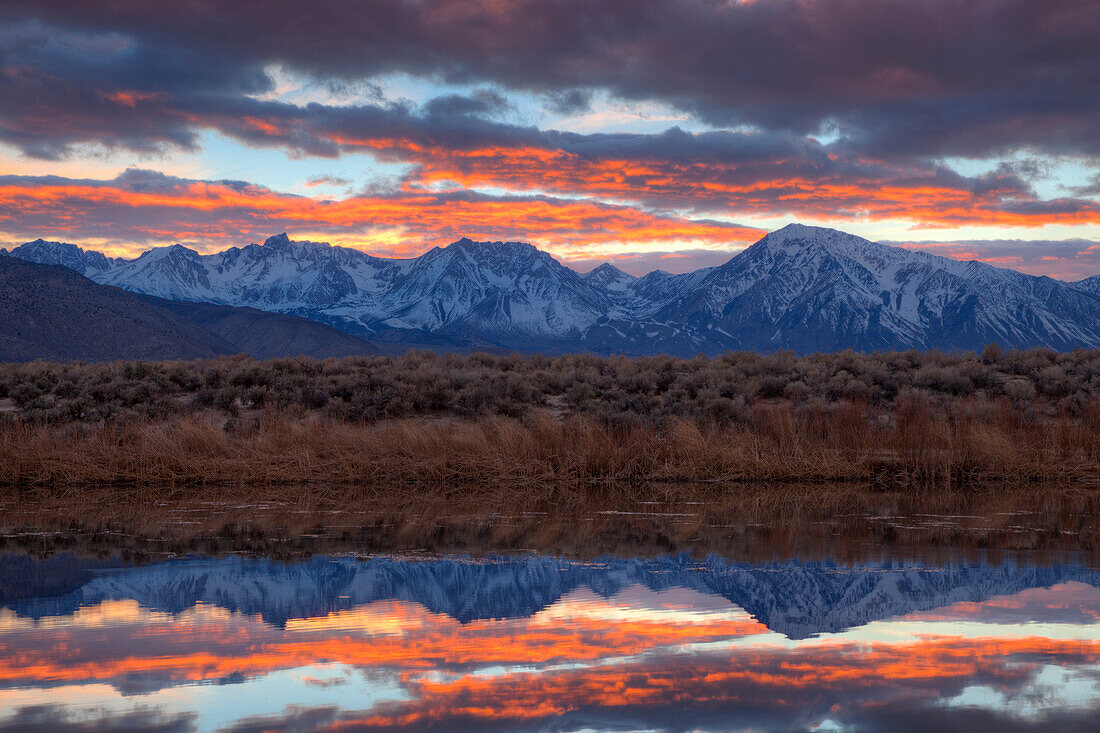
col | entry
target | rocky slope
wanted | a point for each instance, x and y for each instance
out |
(52, 312)
(800, 288)
(796, 599)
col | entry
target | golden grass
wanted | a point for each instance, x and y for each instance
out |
(973, 442)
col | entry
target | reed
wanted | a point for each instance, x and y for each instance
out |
(911, 444)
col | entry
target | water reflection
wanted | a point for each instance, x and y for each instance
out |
(539, 643)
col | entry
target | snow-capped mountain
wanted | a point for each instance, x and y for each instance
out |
(814, 289)
(796, 598)
(1089, 285)
(801, 288)
(86, 262)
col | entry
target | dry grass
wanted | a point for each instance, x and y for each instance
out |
(621, 390)
(914, 444)
(743, 454)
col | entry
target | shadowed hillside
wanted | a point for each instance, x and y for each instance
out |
(52, 312)
(265, 335)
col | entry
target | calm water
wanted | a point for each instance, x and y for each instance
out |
(540, 643)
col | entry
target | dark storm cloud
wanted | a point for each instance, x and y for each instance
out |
(450, 140)
(60, 88)
(888, 75)
(57, 719)
(77, 87)
(484, 102)
(960, 77)
(569, 102)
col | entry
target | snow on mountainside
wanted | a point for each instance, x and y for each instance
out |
(87, 263)
(808, 289)
(796, 599)
(610, 278)
(496, 288)
(801, 288)
(1089, 285)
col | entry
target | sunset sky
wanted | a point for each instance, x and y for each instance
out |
(654, 133)
(676, 656)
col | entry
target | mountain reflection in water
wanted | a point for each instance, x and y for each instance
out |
(541, 643)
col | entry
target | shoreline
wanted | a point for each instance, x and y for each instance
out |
(755, 522)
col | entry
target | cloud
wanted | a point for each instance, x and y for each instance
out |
(481, 102)
(1067, 259)
(130, 77)
(568, 102)
(895, 85)
(891, 77)
(142, 206)
(450, 143)
(59, 719)
(315, 181)
(61, 88)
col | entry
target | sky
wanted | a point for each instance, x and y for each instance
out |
(653, 133)
(675, 659)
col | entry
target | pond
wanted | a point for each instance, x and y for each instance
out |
(533, 642)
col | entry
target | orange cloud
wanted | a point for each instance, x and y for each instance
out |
(588, 656)
(179, 210)
(200, 646)
(691, 175)
(712, 185)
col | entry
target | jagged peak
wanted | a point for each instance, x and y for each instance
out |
(608, 271)
(797, 235)
(470, 244)
(801, 240)
(1088, 285)
(171, 250)
(279, 240)
(54, 244)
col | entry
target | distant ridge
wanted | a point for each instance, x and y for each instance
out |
(52, 312)
(1089, 285)
(796, 599)
(265, 335)
(800, 288)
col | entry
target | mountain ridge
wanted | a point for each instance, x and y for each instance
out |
(801, 288)
(798, 599)
(54, 312)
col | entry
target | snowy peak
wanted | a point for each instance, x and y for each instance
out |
(802, 288)
(796, 599)
(794, 235)
(171, 252)
(62, 253)
(609, 276)
(500, 257)
(279, 240)
(803, 245)
(1089, 285)
(509, 289)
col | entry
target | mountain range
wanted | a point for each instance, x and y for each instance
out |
(800, 288)
(52, 312)
(798, 599)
